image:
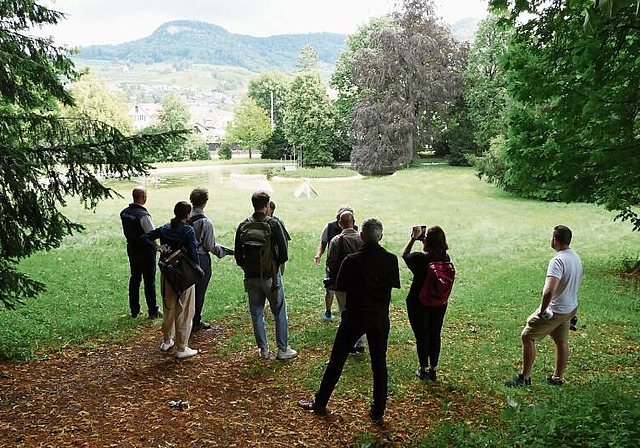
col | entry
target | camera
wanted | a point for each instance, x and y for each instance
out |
(573, 323)
(423, 233)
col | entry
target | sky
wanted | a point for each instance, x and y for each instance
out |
(115, 21)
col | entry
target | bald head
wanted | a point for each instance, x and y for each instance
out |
(139, 195)
(347, 220)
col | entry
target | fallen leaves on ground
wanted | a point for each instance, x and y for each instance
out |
(130, 394)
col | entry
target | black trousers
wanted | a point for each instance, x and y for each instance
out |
(142, 264)
(201, 286)
(353, 325)
(426, 323)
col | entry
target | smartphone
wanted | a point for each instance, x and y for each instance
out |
(423, 233)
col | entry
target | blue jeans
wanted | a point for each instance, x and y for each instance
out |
(259, 291)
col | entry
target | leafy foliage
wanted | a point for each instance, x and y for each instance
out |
(46, 159)
(485, 82)
(308, 119)
(276, 146)
(95, 100)
(408, 76)
(270, 90)
(573, 127)
(250, 126)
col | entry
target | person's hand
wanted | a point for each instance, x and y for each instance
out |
(317, 260)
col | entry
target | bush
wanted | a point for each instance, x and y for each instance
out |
(224, 152)
(276, 147)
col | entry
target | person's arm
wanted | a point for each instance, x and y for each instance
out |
(281, 244)
(236, 247)
(548, 292)
(344, 274)
(209, 239)
(148, 239)
(333, 258)
(415, 233)
(395, 273)
(191, 244)
(146, 223)
(323, 244)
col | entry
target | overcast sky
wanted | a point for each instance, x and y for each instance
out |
(116, 21)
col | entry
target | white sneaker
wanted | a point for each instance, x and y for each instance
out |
(287, 353)
(165, 347)
(265, 353)
(187, 352)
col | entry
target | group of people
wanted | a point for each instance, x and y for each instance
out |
(360, 274)
(191, 231)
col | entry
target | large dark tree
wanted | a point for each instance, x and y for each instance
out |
(408, 76)
(574, 132)
(46, 159)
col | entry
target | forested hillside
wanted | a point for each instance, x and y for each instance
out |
(206, 43)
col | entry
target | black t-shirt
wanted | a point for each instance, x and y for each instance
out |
(417, 262)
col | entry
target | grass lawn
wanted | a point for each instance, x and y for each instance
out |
(500, 246)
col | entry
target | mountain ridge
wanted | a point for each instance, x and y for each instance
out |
(180, 41)
(202, 42)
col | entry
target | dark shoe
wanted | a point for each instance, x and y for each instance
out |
(376, 417)
(200, 326)
(421, 374)
(310, 405)
(155, 315)
(135, 314)
(518, 381)
(431, 374)
(554, 381)
(356, 351)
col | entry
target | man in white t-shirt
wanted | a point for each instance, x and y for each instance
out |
(559, 305)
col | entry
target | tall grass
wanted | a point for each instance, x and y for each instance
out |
(500, 245)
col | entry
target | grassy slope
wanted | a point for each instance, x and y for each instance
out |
(500, 245)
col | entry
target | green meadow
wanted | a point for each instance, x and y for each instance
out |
(500, 245)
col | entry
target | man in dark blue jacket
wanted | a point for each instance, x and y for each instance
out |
(136, 221)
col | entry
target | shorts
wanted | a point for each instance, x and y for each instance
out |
(557, 327)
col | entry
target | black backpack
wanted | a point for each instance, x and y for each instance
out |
(255, 247)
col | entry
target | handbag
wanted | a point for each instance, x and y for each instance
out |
(180, 271)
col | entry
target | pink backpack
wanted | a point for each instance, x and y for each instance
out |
(437, 286)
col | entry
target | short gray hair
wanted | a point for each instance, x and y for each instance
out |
(372, 230)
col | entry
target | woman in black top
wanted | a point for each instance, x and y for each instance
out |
(426, 322)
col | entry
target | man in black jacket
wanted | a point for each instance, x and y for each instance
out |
(368, 275)
(136, 221)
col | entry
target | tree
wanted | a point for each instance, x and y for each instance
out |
(573, 125)
(250, 126)
(308, 59)
(174, 115)
(308, 119)
(485, 82)
(408, 77)
(348, 92)
(269, 91)
(95, 100)
(46, 159)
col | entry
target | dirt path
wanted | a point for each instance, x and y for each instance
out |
(120, 395)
